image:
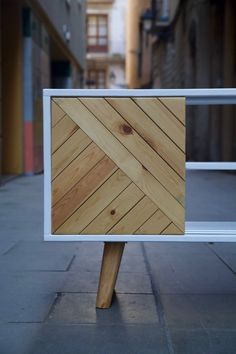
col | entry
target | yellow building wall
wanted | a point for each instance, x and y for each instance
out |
(12, 122)
(134, 11)
(0, 91)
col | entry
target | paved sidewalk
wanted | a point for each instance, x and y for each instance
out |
(171, 298)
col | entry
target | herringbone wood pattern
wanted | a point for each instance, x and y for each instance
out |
(118, 165)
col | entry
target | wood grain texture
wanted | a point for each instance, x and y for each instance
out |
(78, 168)
(96, 203)
(151, 132)
(123, 159)
(155, 224)
(115, 211)
(136, 145)
(118, 166)
(167, 122)
(176, 106)
(67, 152)
(57, 113)
(135, 218)
(171, 230)
(62, 131)
(81, 191)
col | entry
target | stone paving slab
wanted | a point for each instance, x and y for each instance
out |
(21, 202)
(18, 338)
(222, 247)
(176, 248)
(6, 245)
(227, 253)
(29, 256)
(216, 312)
(24, 306)
(230, 260)
(82, 339)
(171, 298)
(41, 282)
(203, 342)
(206, 192)
(176, 273)
(135, 283)
(59, 281)
(130, 262)
(80, 308)
(96, 248)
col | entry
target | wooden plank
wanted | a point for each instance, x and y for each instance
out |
(78, 168)
(57, 113)
(123, 159)
(82, 191)
(172, 229)
(155, 225)
(95, 204)
(67, 152)
(168, 123)
(134, 218)
(137, 146)
(114, 211)
(151, 133)
(62, 131)
(111, 260)
(176, 105)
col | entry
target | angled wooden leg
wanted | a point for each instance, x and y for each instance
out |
(112, 255)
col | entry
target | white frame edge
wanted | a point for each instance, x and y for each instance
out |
(195, 231)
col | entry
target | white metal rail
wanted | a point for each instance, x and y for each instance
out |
(195, 231)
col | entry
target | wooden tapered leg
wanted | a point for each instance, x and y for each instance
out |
(112, 255)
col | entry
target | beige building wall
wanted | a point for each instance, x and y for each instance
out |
(112, 60)
(134, 11)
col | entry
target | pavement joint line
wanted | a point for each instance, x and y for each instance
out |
(95, 292)
(22, 322)
(89, 324)
(159, 305)
(208, 336)
(11, 248)
(198, 294)
(221, 259)
(41, 271)
(70, 263)
(57, 299)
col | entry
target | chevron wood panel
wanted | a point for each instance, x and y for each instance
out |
(118, 165)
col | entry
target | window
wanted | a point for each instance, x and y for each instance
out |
(97, 33)
(96, 79)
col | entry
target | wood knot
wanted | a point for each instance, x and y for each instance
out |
(126, 129)
(113, 212)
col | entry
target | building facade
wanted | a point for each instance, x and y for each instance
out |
(106, 44)
(43, 45)
(193, 46)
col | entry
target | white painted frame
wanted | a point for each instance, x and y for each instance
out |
(194, 231)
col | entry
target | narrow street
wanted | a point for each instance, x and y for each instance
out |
(170, 298)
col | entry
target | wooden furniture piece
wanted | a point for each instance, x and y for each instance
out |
(112, 255)
(117, 168)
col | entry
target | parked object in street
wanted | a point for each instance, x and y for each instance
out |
(126, 180)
